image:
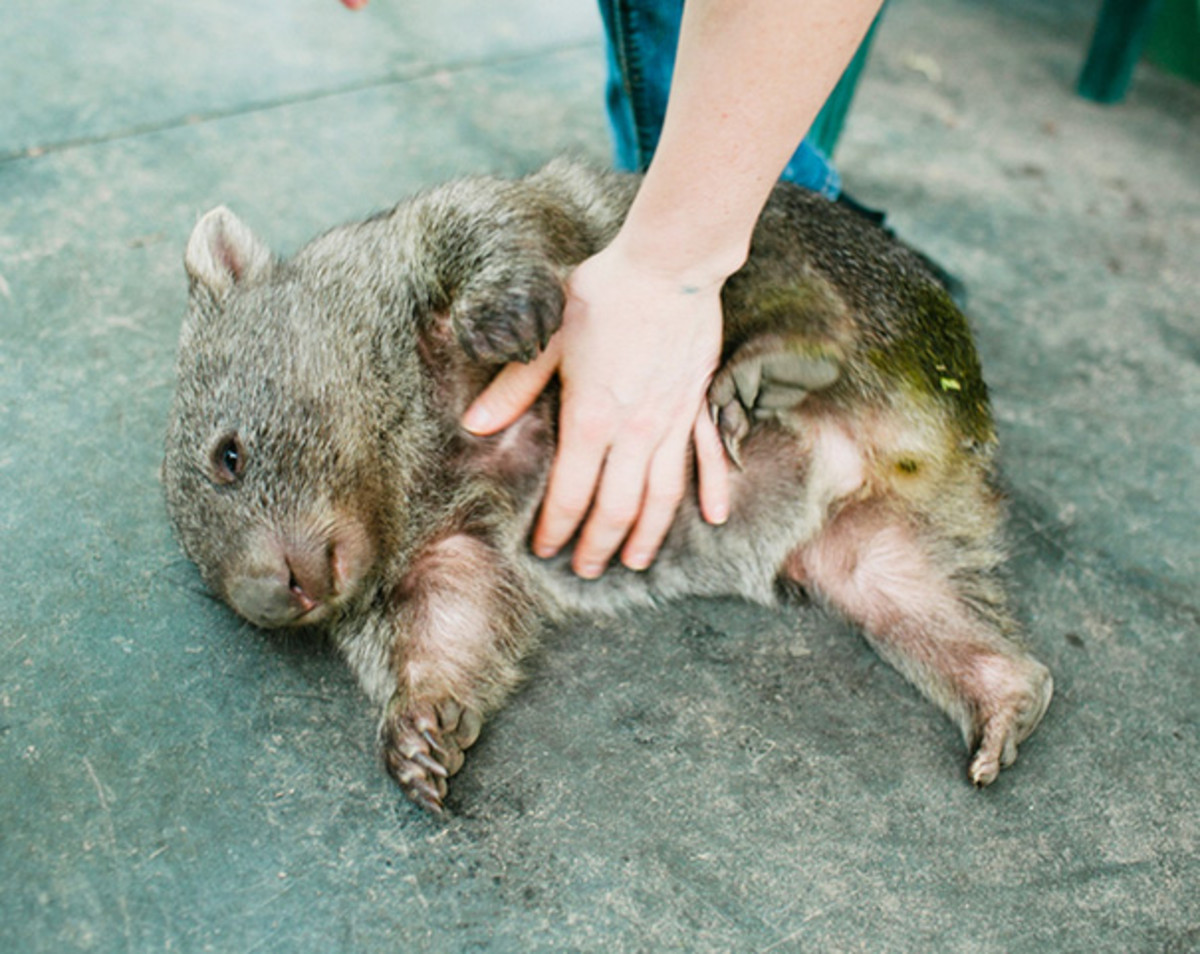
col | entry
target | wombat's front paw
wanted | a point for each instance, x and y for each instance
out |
(423, 746)
(508, 316)
(1000, 728)
(765, 377)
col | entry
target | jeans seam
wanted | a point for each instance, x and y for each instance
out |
(633, 71)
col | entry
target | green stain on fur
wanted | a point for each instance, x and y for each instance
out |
(933, 356)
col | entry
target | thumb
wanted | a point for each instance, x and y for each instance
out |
(511, 393)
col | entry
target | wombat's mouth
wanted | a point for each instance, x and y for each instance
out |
(299, 579)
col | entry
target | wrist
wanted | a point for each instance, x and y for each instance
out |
(658, 265)
(679, 233)
(669, 251)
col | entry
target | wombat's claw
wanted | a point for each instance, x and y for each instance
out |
(433, 743)
(423, 746)
(428, 763)
(1005, 729)
(733, 426)
(511, 321)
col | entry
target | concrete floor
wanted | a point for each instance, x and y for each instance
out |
(707, 778)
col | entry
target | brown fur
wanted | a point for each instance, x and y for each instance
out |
(316, 473)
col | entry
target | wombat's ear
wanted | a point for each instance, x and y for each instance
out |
(223, 252)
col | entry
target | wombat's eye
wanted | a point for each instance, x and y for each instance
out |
(228, 460)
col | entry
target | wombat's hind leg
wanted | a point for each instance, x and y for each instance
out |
(931, 609)
(423, 746)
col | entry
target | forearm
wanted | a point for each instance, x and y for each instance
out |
(750, 78)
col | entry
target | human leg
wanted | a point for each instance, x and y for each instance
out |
(642, 37)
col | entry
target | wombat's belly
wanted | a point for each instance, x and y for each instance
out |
(793, 477)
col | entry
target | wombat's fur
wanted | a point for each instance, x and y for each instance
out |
(316, 472)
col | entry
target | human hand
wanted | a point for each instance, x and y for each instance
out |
(354, 4)
(634, 354)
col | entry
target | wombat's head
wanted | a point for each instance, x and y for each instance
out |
(273, 471)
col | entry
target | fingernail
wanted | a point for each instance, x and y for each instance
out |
(590, 571)
(719, 515)
(544, 550)
(637, 561)
(477, 418)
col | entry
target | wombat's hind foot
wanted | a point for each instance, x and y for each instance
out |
(767, 376)
(998, 728)
(423, 746)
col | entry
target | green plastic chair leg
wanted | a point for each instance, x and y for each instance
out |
(1121, 31)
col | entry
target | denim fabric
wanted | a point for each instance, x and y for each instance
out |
(642, 36)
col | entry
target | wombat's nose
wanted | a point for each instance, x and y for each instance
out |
(310, 576)
(287, 582)
(295, 577)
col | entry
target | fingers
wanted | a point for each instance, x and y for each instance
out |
(631, 388)
(627, 496)
(639, 489)
(711, 468)
(585, 435)
(593, 477)
(666, 486)
(659, 486)
(628, 491)
(511, 393)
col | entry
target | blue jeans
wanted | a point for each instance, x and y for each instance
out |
(642, 36)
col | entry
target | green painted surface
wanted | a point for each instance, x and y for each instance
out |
(1174, 43)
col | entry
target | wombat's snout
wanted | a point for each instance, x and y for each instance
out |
(297, 579)
(310, 576)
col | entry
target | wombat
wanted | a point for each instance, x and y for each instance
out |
(317, 475)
